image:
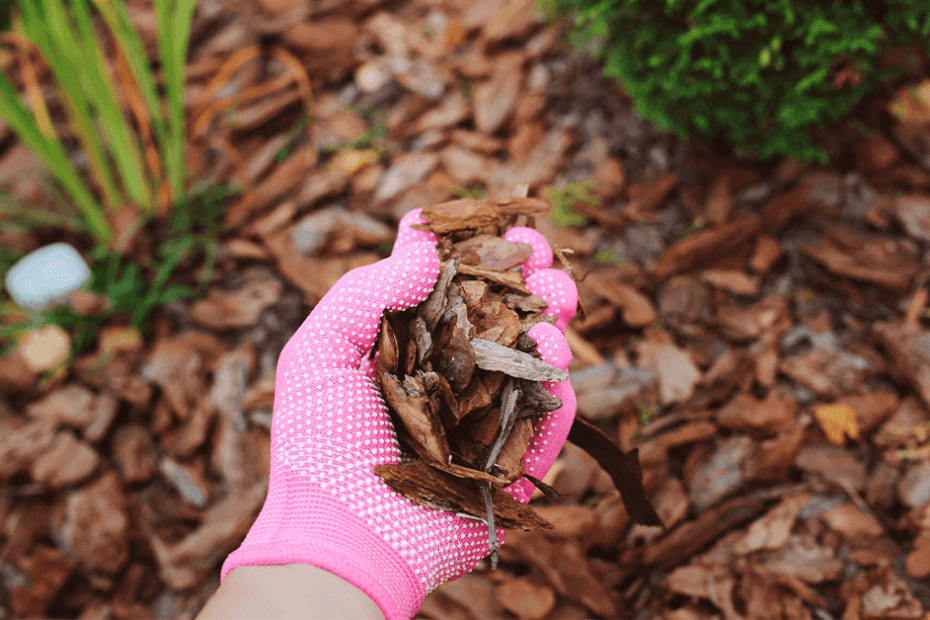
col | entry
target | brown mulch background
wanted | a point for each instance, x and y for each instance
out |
(759, 332)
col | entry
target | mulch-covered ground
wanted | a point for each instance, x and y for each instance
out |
(759, 333)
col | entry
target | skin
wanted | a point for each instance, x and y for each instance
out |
(287, 591)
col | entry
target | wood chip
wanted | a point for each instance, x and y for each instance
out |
(410, 400)
(705, 247)
(431, 309)
(623, 468)
(441, 490)
(492, 356)
(906, 344)
(509, 279)
(458, 215)
(492, 252)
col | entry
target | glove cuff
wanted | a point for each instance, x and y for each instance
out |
(341, 544)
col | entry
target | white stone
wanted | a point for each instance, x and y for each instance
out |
(45, 277)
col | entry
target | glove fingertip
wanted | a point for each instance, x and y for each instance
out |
(559, 291)
(407, 235)
(411, 271)
(551, 345)
(541, 258)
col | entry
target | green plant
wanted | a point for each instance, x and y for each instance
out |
(194, 226)
(70, 46)
(646, 412)
(467, 86)
(373, 138)
(17, 218)
(8, 258)
(460, 191)
(756, 75)
(122, 282)
(565, 198)
(693, 227)
(292, 136)
(861, 128)
(365, 110)
(133, 288)
(608, 256)
(6, 10)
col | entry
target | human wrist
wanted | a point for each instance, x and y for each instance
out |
(288, 591)
(335, 540)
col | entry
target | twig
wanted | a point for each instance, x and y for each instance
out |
(509, 397)
(856, 498)
(545, 488)
(492, 530)
(560, 254)
(465, 515)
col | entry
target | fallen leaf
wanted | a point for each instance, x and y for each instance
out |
(837, 421)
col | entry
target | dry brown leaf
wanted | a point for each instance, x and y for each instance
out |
(837, 422)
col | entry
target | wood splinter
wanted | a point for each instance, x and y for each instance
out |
(509, 397)
(492, 531)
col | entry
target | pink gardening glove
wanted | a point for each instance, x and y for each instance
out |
(326, 507)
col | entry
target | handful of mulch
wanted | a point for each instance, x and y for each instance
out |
(462, 379)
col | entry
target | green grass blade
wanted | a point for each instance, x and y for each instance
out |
(46, 27)
(117, 18)
(123, 142)
(53, 155)
(173, 39)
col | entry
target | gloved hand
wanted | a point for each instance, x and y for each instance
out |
(326, 507)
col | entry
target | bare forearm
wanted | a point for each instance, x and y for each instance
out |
(287, 591)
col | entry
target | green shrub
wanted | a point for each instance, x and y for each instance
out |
(565, 198)
(759, 75)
